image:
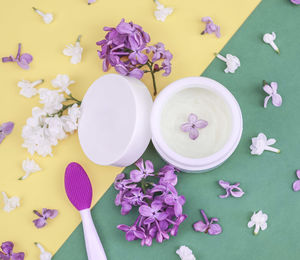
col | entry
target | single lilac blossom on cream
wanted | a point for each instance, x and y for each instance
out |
(143, 172)
(22, 60)
(233, 190)
(259, 220)
(193, 125)
(74, 51)
(10, 203)
(162, 12)
(29, 166)
(7, 252)
(296, 184)
(269, 38)
(232, 62)
(62, 82)
(207, 227)
(42, 220)
(185, 253)
(271, 90)
(28, 88)
(211, 27)
(44, 254)
(261, 143)
(47, 17)
(6, 129)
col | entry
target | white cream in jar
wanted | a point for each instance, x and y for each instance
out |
(208, 106)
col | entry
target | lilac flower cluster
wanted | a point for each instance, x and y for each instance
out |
(126, 49)
(159, 204)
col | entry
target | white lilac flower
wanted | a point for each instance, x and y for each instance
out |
(232, 62)
(44, 254)
(161, 12)
(70, 121)
(51, 99)
(54, 128)
(185, 253)
(28, 88)
(62, 82)
(48, 17)
(269, 39)
(10, 203)
(261, 143)
(29, 166)
(259, 220)
(74, 51)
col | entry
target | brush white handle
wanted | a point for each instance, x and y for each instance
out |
(93, 244)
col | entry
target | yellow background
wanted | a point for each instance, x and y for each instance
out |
(18, 23)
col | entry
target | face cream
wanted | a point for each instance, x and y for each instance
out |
(196, 124)
(208, 106)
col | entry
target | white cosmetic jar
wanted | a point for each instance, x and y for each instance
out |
(188, 163)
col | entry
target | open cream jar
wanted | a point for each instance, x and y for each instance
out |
(209, 101)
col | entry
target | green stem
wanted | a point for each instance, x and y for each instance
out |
(78, 38)
(265, 83)
(75, 99)
(150, 65)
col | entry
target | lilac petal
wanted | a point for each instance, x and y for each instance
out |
(298, 174)
(136, 175)
(120, 68)
(7, 247)
(268, 89)
(149, 167)
(145, 211)
(136, 73)
(49, 213)
(218, 33)
(225, 195)
(124, 28)
(149, 220)
(40, 222)
(123, 227)
(2, 136)
(204, 216)
(266, 101)
(130, 235)
(7, 127)
(23, 64)
(140, 164)
(26, 57)
(200, 226)
(7, 59)
(236, 192)
(169, 199)
(276, 100)
(194, 133)
(4, 256)
(118, 199)
(192, 118)
(274, 86)
(214, 229)
(296, 185)
(141, 58)
(224, 184)
(139, 234)
(18, 256)
(177, 209)
(126, 207)
(201, 124)
(206, 19)
(161, 216)
(186, 127)
(156, 205)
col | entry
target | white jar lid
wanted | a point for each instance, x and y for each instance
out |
(114, 127)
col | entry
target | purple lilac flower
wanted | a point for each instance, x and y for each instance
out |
(8, 254)
(5, 129)
(193, 125)
(296, 184)
(296, 2)
(233, 190)
(211, 27)
(168, 175)
(126, 49)
(22, 60)
(271, 90)
(143, 172)
(208, 227)
(42, 220)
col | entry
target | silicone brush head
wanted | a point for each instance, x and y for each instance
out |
(78, 186)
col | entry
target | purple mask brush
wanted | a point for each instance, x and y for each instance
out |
(79, 191)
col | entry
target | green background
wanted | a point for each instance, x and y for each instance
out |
(266, 179)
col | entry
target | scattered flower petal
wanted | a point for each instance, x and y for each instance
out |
(8, 254)
(74, 51)
(29, 166)
(233, 190)
(259, 220)
(62, 82)
(47, 18)
(271, 90)
(162, 12)
(296, 2)
(10, 203)
(6, 129)
(211, 27)
(22, 60)
(207, 227)
(44, 254)
(261, 143)
(269, 38)
(193, 125)
(296, 184)
(232, 62)
(42, 220)
(185, 253)
(28, 88)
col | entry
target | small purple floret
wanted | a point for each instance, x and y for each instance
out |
(233, 190)
(208, 227)
(6, 129)
(296, 184)
(42, 220)
(8, 254)
(211, 27)
(193, 125)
